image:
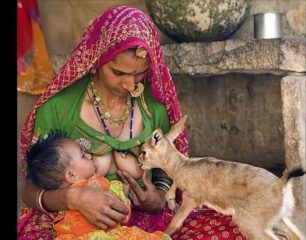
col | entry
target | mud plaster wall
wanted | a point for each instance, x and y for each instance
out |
(236, 117)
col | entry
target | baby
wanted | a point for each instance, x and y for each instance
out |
(58, 162)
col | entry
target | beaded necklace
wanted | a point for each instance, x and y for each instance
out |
(105, 113)
(100, 114)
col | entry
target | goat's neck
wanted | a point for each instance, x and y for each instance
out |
(175, 162)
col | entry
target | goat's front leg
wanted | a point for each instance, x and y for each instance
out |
(187, 206)
(170, 198)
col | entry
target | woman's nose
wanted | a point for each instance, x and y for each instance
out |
(129, 84)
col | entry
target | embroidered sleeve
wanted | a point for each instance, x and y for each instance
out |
(46, 120)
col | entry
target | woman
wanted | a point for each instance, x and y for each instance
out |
(91, 98)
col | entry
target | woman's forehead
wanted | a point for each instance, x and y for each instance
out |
(129, 62)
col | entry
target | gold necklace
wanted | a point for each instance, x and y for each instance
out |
(106, 114)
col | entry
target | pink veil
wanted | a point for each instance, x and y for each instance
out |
(114, 31)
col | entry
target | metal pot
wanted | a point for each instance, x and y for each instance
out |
(267, 25)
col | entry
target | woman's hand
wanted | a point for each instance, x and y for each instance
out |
(149, 200)
(97, 206)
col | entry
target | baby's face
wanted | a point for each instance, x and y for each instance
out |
(81, 163)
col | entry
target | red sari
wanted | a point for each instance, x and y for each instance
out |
(111, 33)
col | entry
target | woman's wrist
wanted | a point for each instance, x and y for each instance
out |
(163, 187)
(40, 201)
(162, 195)
(60, 199)
(72, 197)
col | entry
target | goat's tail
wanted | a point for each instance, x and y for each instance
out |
(296, 172)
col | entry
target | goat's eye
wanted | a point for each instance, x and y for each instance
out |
(144, 152)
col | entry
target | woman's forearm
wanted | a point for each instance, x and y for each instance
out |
(29, 194)
(56, 200)
(52, 200)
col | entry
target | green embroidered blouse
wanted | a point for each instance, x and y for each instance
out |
(62, 112)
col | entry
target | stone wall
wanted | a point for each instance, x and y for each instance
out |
(235, 117)
(246, 102)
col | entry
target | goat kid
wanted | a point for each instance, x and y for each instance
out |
(256, 198)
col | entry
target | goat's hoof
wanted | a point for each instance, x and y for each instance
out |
(169, 231)
(172, 205)
(176, 208)
(166, 237)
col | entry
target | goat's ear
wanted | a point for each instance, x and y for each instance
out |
(156, 135)
(176, 129)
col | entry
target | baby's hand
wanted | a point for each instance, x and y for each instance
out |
(121, 191)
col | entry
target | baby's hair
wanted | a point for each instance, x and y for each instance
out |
(44, 167)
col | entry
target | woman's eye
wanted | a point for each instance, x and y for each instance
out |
(139, 77)
(118, 73)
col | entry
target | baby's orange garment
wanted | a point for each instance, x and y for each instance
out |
(118, 233)
(71, 225)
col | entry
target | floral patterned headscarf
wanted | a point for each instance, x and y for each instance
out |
(111, 33)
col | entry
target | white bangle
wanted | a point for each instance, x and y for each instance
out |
(162, 185)
(39, 201)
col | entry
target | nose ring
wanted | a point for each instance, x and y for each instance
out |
(138, 90)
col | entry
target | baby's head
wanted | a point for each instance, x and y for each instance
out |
(57, 161)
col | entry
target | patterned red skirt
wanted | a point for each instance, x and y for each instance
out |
(203, 223)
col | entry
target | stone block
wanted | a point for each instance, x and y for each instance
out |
(275, 56)
(293, 107)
